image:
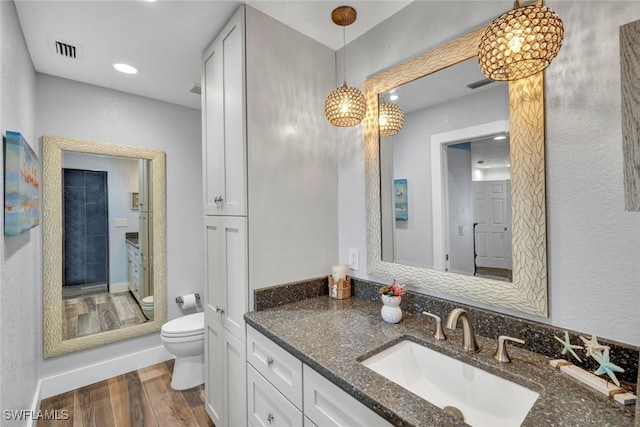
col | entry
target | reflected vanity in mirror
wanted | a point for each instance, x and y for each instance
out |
(475, 224)
(103, 243)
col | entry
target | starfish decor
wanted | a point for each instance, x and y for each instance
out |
(568, 347)
(607, 367)
(592, 346)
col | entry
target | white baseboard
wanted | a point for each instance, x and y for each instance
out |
(115, 288)
(71, 380)
(35, 405)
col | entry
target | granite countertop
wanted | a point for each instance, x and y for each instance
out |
(331, 336)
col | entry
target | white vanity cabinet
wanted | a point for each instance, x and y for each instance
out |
(134, 271)
(285, 392)
(325, 404)
(276, 365)
(224, 125)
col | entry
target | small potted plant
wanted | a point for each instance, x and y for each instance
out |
(391, 296)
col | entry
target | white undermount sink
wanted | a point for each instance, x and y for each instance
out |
(483, 398)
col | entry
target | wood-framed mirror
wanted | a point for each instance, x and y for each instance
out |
(60, 157)
(527, 290)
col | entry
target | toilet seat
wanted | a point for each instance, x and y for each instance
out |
(185, 326)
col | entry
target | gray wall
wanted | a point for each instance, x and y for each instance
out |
(593, 244)
(20, 269)
(292, 155)
(71, 109)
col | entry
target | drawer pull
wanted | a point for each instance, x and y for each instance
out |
(269, 361)
(270, 418)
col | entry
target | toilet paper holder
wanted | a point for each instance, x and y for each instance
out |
(180, 301)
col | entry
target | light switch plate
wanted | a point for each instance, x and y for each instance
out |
(354, 259)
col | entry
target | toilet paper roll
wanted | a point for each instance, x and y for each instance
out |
(188, 301)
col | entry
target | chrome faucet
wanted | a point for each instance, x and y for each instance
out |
(468, 338)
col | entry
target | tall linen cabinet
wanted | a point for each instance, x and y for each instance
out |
(270, 184)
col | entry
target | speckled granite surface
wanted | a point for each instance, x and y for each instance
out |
(332, 335)
(538, 336)
(275, 296)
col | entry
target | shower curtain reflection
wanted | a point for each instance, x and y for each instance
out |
(86, 233)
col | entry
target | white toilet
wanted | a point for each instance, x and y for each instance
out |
(184, 338)
(147, 307)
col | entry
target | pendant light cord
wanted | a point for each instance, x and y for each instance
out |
(344, 48)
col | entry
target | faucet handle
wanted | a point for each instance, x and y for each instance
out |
(501, 352)
(438, 333)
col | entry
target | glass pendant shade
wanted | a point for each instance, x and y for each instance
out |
(345, 106)
(520, 43)
(390, 118)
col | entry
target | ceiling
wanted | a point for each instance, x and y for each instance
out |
(163, 39)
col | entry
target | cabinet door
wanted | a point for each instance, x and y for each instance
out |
(225, 376)
(213, 371)
(235, 380)
(327, 405)
(226, 272)
(224, 121)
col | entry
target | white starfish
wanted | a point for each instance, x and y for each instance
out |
(568, 347)
(592, 346)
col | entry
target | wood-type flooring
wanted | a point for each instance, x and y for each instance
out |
(91, 314)
(141, 398)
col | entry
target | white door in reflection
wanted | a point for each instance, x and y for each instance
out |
(492, 211)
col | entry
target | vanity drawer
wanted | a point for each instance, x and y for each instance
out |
(266, 406)
(327, 405)
(278, 366)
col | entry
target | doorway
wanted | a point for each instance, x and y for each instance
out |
(85, 232)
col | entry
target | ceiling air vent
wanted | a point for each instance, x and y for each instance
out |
(479, 83)
(197, 89)
(67, 50)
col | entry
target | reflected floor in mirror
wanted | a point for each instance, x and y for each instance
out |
(495, 273)
(91, 314)
(139, 398)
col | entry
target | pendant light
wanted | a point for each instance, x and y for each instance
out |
(520, 43)
(390, 118)
(345, 106)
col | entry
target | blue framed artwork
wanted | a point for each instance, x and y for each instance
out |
(21, 185)
(400, 199)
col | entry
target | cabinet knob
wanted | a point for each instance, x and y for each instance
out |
(218, 309)
(270, 418)
(269, 361)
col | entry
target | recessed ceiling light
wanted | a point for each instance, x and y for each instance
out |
(393, 97)
(124, 68)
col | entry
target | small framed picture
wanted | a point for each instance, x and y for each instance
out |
(135, 205)
(401, 199)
